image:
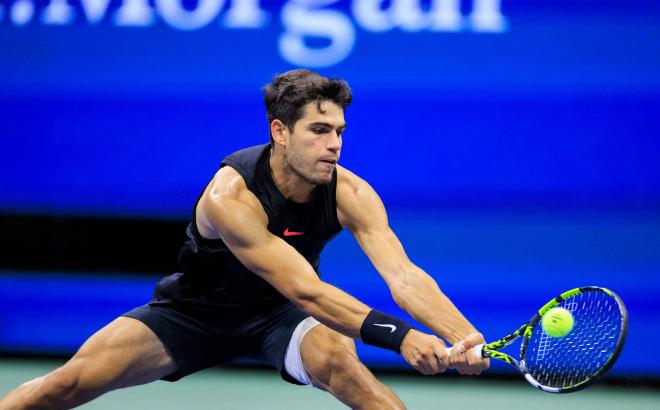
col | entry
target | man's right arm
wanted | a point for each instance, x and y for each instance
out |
(236, 215)
(232, 211)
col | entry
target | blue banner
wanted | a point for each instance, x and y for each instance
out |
(128, 106)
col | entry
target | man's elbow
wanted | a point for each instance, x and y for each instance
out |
(401, 294)
(408, 288)
(304, 294)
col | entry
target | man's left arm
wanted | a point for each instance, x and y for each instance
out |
(361, 211)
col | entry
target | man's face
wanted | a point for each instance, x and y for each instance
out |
(315, 142)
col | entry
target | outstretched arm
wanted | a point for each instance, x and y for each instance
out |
(231, 211)
(362, 212)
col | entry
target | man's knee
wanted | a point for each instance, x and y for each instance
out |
(51, 389)
(66, 379)
(62, 384)
(342, 362)
(341, 373)
(332, 363)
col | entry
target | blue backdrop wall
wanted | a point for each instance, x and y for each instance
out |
(510, 140)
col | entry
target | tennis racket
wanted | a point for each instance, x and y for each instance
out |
(572, 362)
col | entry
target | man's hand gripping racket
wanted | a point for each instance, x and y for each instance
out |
(577, 359)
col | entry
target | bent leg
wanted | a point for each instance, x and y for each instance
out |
(332, 364)
(122, 354)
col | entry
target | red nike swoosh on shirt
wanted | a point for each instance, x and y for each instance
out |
(287, 232)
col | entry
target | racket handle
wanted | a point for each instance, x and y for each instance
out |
(476, 350)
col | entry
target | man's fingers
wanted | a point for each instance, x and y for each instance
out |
(424, 368)
(432, 362)
(475, 361)
(464, 359)
(440, 363)
(455, 358)
(436, 362)
(429, 363)
(441, 356)
(425, 353)
(441, 366)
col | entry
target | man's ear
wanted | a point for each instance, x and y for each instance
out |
(279, 131)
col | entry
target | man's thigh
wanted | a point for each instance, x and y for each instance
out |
(332, 364)
(322, 338)
(323, 351)
(123, 353)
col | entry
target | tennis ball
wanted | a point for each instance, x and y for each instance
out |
(557, 322)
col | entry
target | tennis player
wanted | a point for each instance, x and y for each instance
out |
(249, 283)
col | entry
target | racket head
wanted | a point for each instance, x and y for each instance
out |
(586, 353)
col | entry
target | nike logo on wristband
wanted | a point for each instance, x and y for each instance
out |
(388, 326)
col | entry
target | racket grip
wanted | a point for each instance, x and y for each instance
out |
(476, 350)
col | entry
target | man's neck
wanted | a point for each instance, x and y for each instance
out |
(292, 186)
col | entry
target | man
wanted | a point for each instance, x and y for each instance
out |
(249, 288)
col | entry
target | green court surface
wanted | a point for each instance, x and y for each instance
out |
(259, 389)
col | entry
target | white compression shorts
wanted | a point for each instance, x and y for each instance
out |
(293, 360)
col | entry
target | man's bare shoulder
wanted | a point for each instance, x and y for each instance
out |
(227, 184)
(348, 181)
(227, 190)
(357, 201)
(350, 184)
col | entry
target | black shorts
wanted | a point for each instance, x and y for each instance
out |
(198, 339)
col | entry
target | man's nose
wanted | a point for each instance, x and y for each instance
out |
(335, 141)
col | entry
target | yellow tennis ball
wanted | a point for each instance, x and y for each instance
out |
(557, 322)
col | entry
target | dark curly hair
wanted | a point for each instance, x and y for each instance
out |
(289, 92)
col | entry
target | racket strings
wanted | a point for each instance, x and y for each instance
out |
(578, 356)
(544, 342)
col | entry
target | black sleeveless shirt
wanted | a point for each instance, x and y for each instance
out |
(212, 277)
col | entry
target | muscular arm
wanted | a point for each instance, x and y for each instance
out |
(230, 211)
(362, 212)
(235, 214)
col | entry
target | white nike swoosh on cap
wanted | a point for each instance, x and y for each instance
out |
(386, 325)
